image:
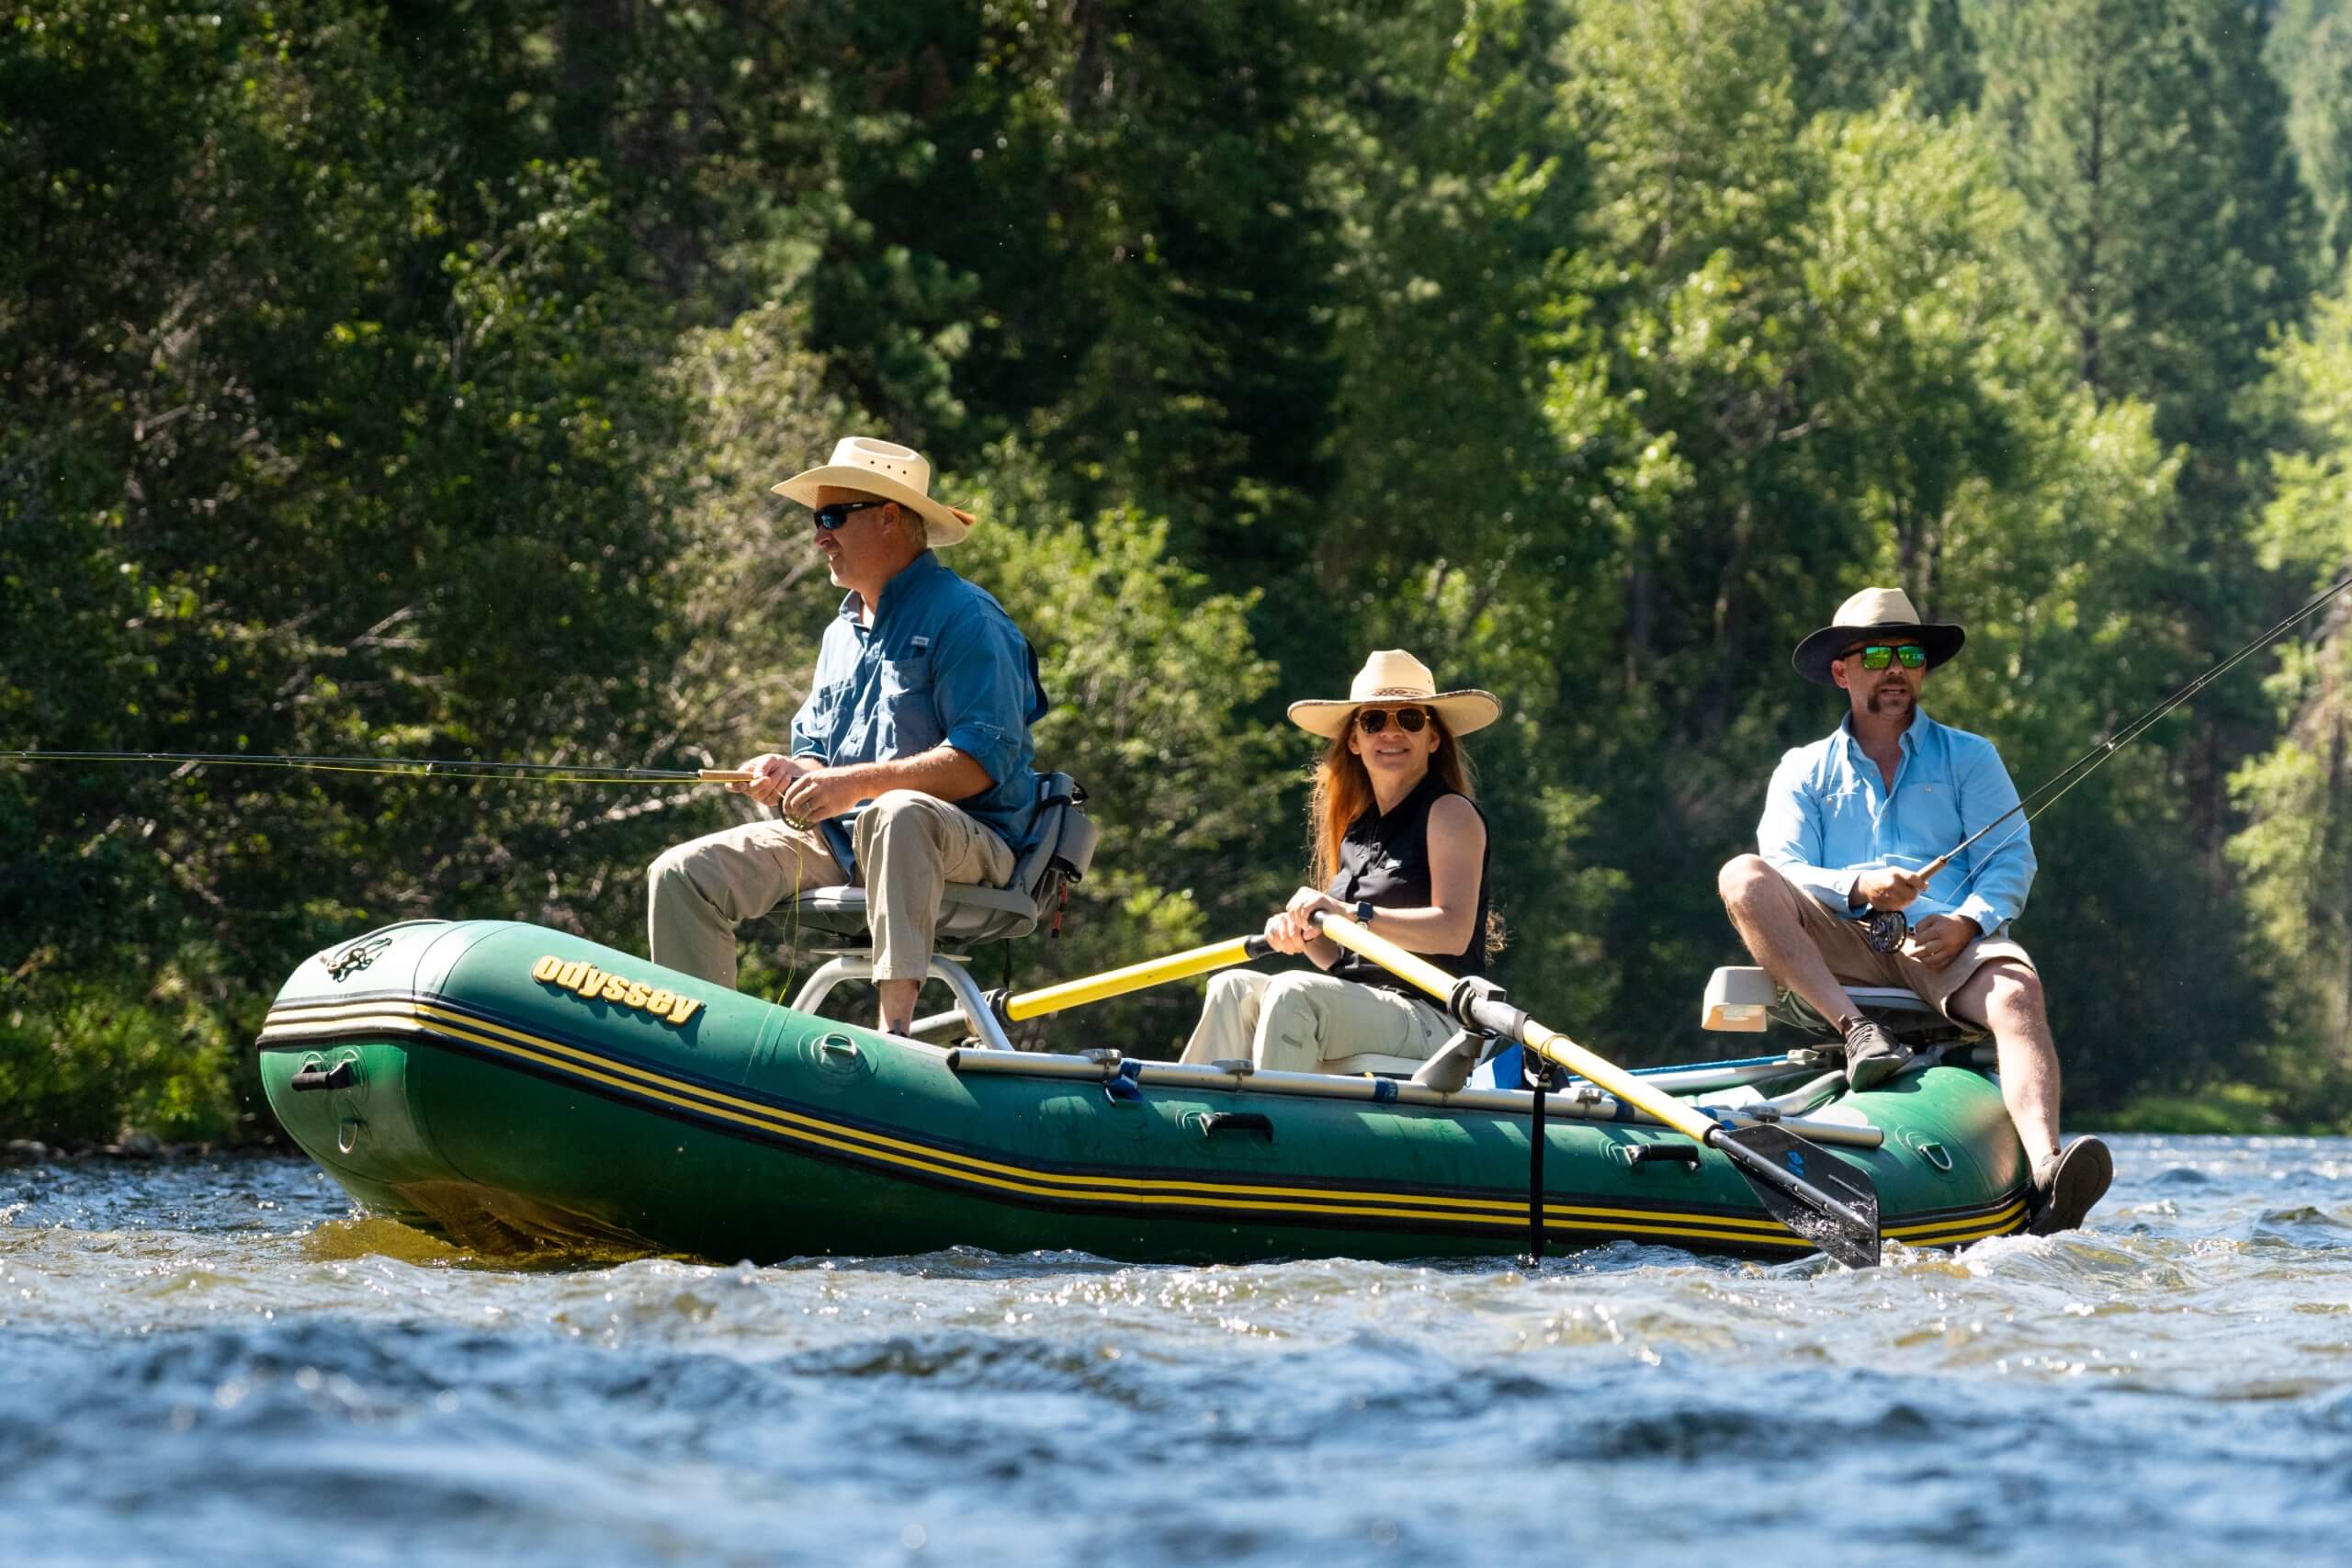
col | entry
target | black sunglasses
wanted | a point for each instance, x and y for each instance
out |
(1371, 721)
(831, 517)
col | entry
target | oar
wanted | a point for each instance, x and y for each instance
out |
(1822, 1198)
(1134, 978)
(1110, 983)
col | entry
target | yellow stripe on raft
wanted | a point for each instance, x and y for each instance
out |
(1186, 1195)
(656, 1086)
(292, 1022)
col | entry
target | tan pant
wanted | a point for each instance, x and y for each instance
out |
(1297, 1023)
(1849, 955)
(910, 846)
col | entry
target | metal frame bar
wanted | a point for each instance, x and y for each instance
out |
(971, 1003)
(1691, 1080)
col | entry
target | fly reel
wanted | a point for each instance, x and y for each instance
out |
(1885, 930)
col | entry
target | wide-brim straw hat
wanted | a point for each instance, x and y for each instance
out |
(881, 468)
(1392, 675)
(1874, 611)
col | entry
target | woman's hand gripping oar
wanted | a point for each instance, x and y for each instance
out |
(1826, 1199)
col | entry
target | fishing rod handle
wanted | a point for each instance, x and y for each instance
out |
(725, 776)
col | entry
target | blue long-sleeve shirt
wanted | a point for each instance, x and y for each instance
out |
(1829, 815)
(941, 662)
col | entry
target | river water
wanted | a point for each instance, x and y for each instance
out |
(220, 1360)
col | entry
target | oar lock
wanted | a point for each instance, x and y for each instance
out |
(1483, 1005)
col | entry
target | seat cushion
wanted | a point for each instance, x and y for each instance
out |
(967, 913)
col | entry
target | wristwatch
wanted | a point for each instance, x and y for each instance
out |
(1364, 913)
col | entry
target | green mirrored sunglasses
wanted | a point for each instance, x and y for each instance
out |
(1878, 655)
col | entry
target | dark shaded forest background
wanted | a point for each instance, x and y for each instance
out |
(406, 379)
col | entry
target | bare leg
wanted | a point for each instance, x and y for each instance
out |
(1763, 909)
(897, 1004)
(2005, 997)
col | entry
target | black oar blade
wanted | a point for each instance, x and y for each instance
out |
(1822, 1198)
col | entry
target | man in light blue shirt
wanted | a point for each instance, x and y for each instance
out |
(918, 713)
(1850, 823)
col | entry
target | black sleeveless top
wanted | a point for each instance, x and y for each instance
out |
(1386, 860)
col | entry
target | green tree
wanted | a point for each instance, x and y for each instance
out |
(2309, 53)
(2140, 131)
(353, 445)
(1796, 355)
(1853, 53)
(2296, 846)
(2143, 132)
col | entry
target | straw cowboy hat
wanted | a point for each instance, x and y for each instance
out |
(881, 468)
(1874, 611)
(1392, 675)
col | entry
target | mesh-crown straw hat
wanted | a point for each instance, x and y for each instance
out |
(1874, 611)
(885, 470)
(1395, 676)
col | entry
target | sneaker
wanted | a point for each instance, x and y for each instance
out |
(2067, 1184)
(1873, 1056)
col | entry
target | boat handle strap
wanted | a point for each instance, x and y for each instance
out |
(1673, 1154)
(1217, 1121)
(336, 1076)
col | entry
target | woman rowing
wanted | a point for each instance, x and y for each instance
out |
(1399, 847)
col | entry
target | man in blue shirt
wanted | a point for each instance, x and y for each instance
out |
(1849, 824)
(919, 711)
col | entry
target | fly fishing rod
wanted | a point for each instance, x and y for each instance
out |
(404, 767)
(1885, 930)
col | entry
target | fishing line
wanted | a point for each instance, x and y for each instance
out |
(415, 768)
(400, 767)
(460, 767)
(1885, 930)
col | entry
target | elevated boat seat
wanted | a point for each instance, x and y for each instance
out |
(1059, 849)
(1742, 1001)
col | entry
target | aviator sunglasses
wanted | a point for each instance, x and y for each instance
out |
(831, 517)
(1878, 655)
(1371, 721)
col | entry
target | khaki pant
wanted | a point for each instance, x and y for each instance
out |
(1295, 1022)
(910, 846)
(1849, 955)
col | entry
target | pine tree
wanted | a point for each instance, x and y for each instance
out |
(2309, 52)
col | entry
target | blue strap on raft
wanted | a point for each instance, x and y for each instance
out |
(1125, 1082)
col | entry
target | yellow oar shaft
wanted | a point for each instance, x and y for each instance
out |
(1544, 1041)
(1134, 978)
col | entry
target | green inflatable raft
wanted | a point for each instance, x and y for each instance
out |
(511, 1087)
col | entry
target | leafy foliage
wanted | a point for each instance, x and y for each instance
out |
(391, 379)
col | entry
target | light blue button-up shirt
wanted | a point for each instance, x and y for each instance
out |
(1828, 816)
(941, 662)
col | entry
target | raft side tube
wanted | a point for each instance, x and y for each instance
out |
(1588, 1104)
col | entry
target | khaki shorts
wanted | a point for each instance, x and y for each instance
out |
(1850, 959)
